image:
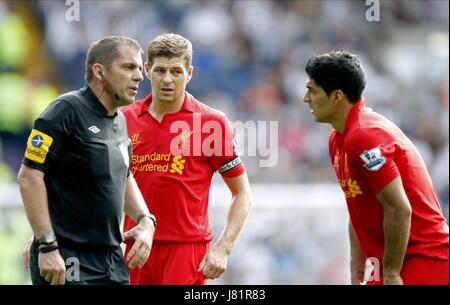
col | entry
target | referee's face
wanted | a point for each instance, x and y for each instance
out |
(124, 75)
(319, 103)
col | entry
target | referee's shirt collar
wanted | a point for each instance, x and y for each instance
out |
(95, 102)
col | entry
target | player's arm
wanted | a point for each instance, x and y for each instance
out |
(215, 262)
(142, 233)
(396, 225)
(34, 196)
(357, 258)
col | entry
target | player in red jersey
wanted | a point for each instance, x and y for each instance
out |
(395, 216)
(178, 144)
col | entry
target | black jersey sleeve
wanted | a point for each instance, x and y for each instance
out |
(47, 137)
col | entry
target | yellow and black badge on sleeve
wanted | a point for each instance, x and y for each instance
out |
(38, 145)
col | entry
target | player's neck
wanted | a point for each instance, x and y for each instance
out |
(339, 126)
(158, 109)
(339, 122)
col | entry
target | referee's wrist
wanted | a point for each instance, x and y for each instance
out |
(151, 217)
(42, 246)
(48, 248)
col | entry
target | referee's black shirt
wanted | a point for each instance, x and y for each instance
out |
(85, 156)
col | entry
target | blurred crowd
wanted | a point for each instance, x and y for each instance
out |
(249, 59)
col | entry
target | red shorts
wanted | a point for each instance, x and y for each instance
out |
(171, 264)
(419, 270)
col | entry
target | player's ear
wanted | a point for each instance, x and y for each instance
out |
(190, 70)
(147, 69)
(337, 96)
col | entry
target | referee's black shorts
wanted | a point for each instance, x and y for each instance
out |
(85, 265)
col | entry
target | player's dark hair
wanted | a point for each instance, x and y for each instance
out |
(105, 51)
(338, 70)
(170, 45)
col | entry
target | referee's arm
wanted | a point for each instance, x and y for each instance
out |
(142, 233)
(35, 200)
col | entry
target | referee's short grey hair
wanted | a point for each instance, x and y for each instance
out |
(105, 50)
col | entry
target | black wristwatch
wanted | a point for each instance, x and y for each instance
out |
(46, 239)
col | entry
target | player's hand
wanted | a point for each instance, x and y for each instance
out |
(26, 252)
(392, 280)
(142, 234)
(52, 267)
(357, 278)
(214, 264)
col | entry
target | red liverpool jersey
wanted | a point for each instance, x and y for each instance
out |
(370, 153)
(173, 163)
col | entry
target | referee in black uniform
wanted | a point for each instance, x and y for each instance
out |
(75, 180)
